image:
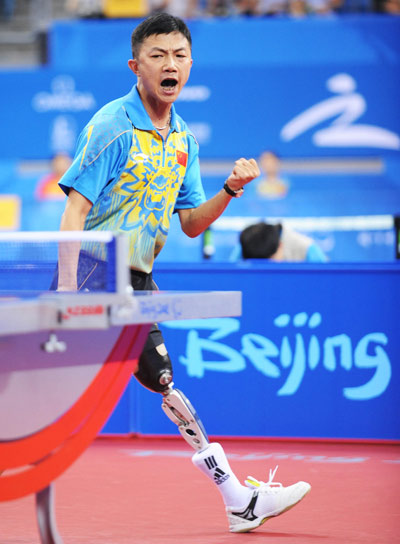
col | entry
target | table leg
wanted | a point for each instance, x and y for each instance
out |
(45, 516)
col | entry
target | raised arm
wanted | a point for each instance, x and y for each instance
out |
(194, 221)
(73, 218)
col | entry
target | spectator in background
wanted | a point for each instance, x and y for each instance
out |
(297, 8)
(323, 7)
(391, 7)
(219, 8)
(272, 8)
(86, 9)
(278, 243)
(247, 7)
(271, 184)
(47, 187)
(186, 9)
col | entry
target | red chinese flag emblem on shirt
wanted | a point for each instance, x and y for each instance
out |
(181, 157)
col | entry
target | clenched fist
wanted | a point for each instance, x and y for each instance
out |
(244, 171)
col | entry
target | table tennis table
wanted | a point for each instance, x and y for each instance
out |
(65, 360)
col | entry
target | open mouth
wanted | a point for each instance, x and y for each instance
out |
(169, 83)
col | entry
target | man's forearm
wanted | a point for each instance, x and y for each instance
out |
(73, 219)
(196, 220)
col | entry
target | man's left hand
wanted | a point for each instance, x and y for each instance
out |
(244, 171)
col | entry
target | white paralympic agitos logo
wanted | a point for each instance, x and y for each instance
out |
(346, 108)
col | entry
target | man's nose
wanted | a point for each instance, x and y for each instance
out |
(170, 63)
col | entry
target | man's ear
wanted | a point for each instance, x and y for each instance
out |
(133, 65)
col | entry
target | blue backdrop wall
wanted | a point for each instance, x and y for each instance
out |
(315, 354)
(320, 86)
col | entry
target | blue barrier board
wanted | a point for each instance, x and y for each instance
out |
(315, 353)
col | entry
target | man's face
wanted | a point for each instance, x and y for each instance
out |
(270, 163)
(162, 66)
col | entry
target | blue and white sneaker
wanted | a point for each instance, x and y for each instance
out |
(269, 499)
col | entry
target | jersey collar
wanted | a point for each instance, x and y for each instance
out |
(139, 116)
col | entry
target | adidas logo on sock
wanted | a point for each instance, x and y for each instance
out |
(219, 475)
(210, 462)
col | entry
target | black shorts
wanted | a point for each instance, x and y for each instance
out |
(92, 276)
(141, 281)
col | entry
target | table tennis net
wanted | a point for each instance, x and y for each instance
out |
(30, 262)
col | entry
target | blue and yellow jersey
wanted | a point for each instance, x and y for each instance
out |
(134, 178)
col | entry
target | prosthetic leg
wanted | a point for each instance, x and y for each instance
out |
(155, 373)
(179, 410)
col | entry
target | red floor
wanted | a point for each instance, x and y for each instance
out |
(146, 491)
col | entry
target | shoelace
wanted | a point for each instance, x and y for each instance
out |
(264, 487)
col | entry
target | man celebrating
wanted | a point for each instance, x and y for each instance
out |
(136, 164)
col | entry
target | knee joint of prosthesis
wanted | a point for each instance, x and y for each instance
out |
(179, 410)
(155, 370)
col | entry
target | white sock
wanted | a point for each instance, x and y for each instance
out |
(213, 463)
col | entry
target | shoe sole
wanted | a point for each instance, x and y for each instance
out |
(263, 520)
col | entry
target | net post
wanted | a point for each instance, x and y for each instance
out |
(122, 276)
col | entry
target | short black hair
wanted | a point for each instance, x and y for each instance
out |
(160, 23)
(260, 241)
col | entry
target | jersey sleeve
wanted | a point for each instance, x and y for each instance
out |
(191, 193)
(102, 152)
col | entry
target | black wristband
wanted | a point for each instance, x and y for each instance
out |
(231, 192)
